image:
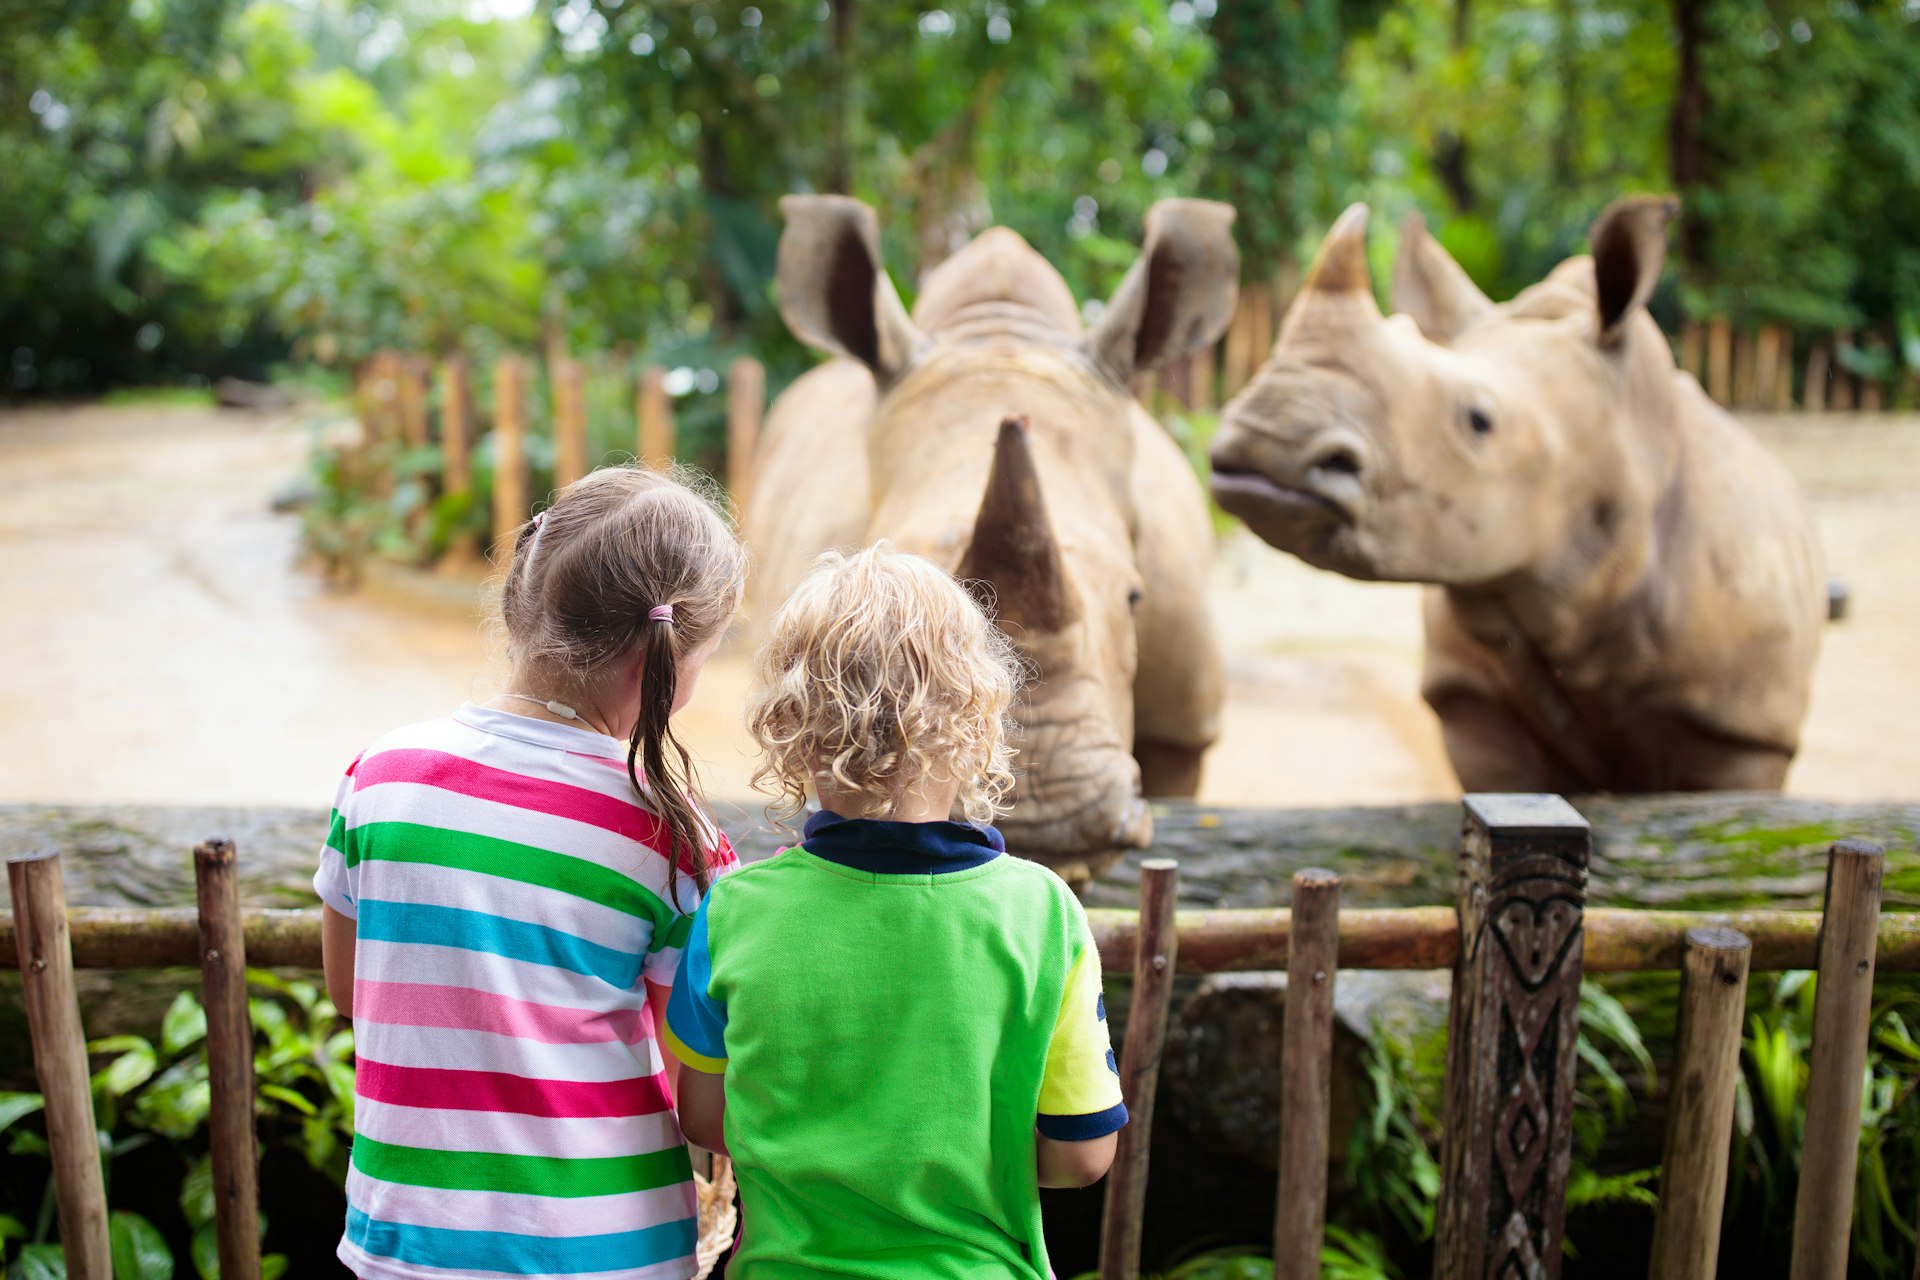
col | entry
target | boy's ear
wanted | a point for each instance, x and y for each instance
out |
(1178, 296)
(833, 286)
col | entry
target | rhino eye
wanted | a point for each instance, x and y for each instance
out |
(1479, 421)
(1134, 597)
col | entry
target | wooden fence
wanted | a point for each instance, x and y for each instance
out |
(1518, 939)
(1752, 369)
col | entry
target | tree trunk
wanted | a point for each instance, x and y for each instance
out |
(840, 161)
(1685, 156)
(1450, 149)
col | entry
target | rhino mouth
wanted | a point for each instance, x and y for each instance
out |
(1254, 495)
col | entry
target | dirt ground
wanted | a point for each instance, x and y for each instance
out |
(159, 642)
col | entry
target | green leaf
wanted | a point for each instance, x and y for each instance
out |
(139, 1251)
(185, 1024)
(17, 1106)
(273, 1266)
(127, 1072)
(39, 1262)
(196, 1193)
(11, 1228)
(289, 1097)
(206, 1253)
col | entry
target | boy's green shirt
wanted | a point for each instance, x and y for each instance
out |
(896, 1007)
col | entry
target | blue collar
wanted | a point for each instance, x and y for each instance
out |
(900, 848)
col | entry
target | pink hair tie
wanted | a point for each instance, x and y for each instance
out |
(660, 613)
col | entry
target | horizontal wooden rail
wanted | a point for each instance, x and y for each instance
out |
(1223, 941)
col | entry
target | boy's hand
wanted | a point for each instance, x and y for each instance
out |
(1074, 1164)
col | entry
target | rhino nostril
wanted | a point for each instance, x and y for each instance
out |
(1340, 458)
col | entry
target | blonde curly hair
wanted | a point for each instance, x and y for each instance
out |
(883, 675)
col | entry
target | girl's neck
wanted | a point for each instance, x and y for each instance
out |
(528, 694)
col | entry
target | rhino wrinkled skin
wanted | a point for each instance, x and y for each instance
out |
(1627, 591)
(988, 432)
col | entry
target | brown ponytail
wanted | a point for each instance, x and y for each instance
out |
(585, 576)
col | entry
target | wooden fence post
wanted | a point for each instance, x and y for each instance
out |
(1512, 1026)
(411, 374)
(1706, 1067)
(1689, 354)
(1840, 395)
(223, 977)
(456, 438)
(1153, 962)
(569, 420)
(60, 1060)
(1813, 396)
(1200, 379)
(1766, 365)
(1306, 1075)
(1783, 372)
(746, 401)
(1743, 369)
(509, 458)
(1842, 1009)
(1238, 358)
(1720, 361)
(654, 410)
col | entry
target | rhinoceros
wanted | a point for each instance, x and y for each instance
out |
(1083, 524)
(1627, 589)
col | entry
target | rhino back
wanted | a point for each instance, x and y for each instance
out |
(810, 491)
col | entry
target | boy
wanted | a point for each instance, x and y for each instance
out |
(898, 1027)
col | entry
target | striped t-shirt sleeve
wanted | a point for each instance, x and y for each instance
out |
(331, 881)
(696, 1022)
(670, 939)
(1080, 1090)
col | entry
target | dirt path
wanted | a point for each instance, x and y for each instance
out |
(160, 645)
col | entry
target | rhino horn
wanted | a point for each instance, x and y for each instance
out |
(1338, 289)
(1430, 286)
(1013, 554)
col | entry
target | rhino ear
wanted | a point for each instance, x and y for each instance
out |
(1430, 286)
(1178, 296)
(834, 290)
(1629, 247)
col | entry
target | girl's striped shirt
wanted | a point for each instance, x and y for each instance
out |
(511, 1116)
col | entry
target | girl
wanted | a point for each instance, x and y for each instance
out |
(895, 1028)
(505, 897)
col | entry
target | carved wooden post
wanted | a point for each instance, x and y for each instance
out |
(1511, 1033)
(456, 442)
(1813, 396)
(1720, 361)
(569, 420)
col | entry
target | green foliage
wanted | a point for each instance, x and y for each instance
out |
(145, 1094)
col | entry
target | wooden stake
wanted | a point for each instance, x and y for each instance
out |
(1693, 1172)
(1842, 1008)
(1239, 359)
(1743, 369)
(654, 410)
(456, 437)
(1507, 1136)
(509, 454)
(1306, 1076)
(746, 401)
(1840, 394)
(235, 1149)
(1813, 396)
(1153, 964)
(1689, 355)
(1200, 379)
(1720, 361)
(1766, 366)
(411, 376)
(569, 421)
(1783, 373)
(60, 1060)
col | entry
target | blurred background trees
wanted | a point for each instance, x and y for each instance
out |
(200, 187)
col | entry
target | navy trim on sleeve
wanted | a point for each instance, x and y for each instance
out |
(1083, 1128)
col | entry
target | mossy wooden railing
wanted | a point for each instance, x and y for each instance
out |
(1518, 939)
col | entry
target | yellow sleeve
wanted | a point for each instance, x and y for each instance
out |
(1080, 1090)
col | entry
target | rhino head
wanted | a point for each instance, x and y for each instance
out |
(1457, 442)
(1002, 445)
